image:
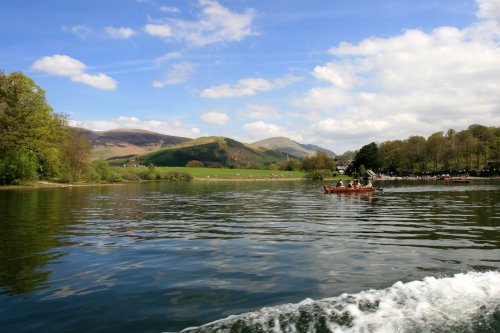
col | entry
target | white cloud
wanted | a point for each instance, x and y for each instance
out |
(167, 57)
(414, 83)
(81, 31)
(248, 87)
(489, 10)
(120, 33)
(260, 111)
(217, 118)
(172, 127)
(178, 73)
(170, 10)
(63, 65)
(215, 24)
(260, 130)
(159, 30)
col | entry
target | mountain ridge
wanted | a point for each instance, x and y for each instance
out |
(123, 144)
(289, 146)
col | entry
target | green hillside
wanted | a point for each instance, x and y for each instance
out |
(213, 151)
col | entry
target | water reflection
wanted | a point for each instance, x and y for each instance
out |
(185, 254)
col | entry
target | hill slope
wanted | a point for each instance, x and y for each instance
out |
(291, 147)
(213, 151)
(128, 142)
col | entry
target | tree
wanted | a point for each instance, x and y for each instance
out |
(485, 138)
(415, 152)
(318, 161)
(392, 156)
(369, 156)
(346, 158)
(77, 152)
(28, 127)
(435, 148)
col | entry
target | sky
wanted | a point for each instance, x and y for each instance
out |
(338, 74)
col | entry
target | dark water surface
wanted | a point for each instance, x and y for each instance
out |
(162, 257)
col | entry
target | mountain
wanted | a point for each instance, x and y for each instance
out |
(291, 147)
(128, 142)
(318, 149)
(212, 151)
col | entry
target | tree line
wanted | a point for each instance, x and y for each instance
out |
(474, 150)
(36, 142)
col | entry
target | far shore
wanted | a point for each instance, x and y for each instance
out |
(44, 184)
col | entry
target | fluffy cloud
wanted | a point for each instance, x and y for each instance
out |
(63, 65)
(215, 24)
(248, 87)
(178, 73)
(260, 111)
(489, 10)
(173, 127)
(414, 83)
(119, 33)
(158, 30)
(260, 130)
(217, 118)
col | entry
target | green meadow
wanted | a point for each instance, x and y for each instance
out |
(221, 173)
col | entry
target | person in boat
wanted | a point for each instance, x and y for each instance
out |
(357, 184)
(369, 184)
(340, 183)
(351, 184)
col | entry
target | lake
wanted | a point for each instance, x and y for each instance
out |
(276, 256)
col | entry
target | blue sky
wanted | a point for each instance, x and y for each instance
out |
(335, 73)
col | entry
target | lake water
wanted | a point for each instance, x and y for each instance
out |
(275, 256)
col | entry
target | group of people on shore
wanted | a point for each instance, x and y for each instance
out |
(354, 184)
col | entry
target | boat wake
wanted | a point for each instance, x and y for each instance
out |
(463, 303)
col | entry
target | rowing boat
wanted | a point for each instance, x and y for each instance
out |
(338, 189)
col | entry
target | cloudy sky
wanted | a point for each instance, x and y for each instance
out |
(339, 74)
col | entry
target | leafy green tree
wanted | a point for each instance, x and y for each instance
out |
(290, 165)
(435, 147)
(485, 139)
(28, 127)
(346, 158)
(18, 166)
(415, 152)
(77, 152)
(392, 156)
(318, 161)
(362, 170)
(369, 156)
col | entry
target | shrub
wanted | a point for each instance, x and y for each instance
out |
(319, 174)
(195, 164)
(17, 166)
(102, 172)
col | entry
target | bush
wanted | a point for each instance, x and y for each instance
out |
(195, 164)
(102, 172)
(319, 174)
(151, 174)
(18, 166)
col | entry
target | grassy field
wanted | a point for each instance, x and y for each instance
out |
(219, 173)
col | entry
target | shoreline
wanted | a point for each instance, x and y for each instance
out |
(43, 184)
(46, 184)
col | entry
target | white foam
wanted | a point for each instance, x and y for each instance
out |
(462, 302)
